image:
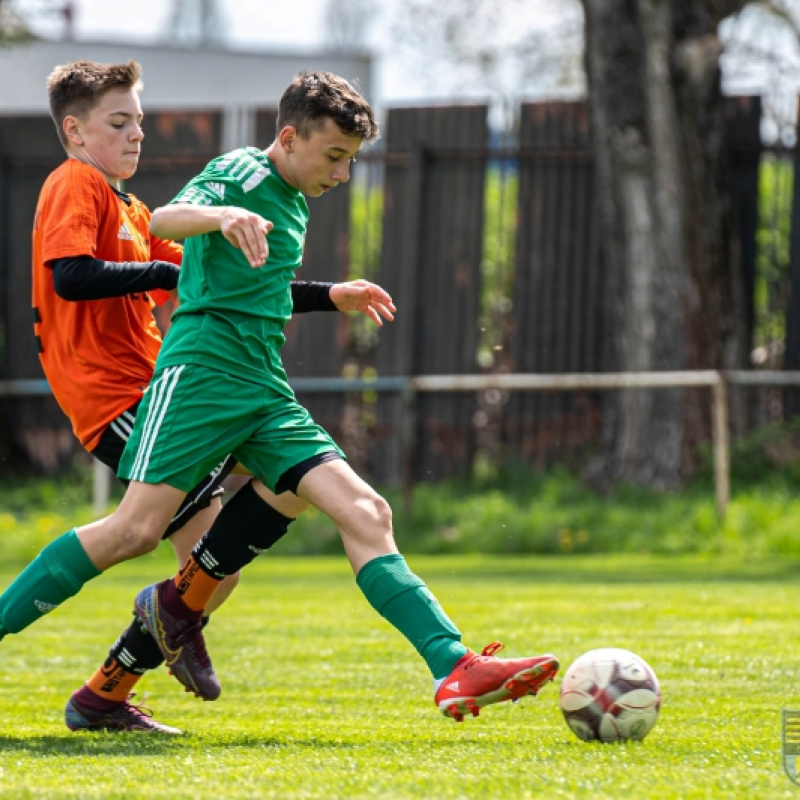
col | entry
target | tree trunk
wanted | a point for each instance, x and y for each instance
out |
(671, 277)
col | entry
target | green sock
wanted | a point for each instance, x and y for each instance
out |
(402, 598)
(56, 574)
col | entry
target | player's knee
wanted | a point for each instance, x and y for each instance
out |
(384, 512)
(378, 510)
(138, 540)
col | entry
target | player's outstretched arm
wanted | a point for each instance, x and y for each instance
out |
(363, 296)
(78, 278)
(244, 229)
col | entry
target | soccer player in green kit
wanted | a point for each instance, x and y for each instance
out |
(92, 271)
(220, 387)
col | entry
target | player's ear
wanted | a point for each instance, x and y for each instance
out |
(72, 130)
(287, 137)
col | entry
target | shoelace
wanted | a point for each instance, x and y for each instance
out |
(490, 650)
(138, 709)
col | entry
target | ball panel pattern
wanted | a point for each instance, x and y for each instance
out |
(610, 695)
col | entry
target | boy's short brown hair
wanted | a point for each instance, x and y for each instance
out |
(313, 97)
(76, 88)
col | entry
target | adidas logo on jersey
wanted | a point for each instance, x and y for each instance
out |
(217, 189)
(124, 233)
(453, 687)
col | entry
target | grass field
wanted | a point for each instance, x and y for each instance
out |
(322, 699)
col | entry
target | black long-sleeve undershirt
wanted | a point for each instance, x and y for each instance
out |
(311, 296)
(86, 278)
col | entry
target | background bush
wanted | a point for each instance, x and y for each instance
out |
(511, 513)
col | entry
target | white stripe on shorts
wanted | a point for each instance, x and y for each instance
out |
(123, 425)
(161, 393)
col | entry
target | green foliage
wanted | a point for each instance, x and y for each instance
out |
(366, 232)
(34, 511)
(772, 258)
(769, 455)
(511, 512)
(322, 699)
(497, 267)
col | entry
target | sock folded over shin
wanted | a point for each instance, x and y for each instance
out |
(56, 574)
(404, 600)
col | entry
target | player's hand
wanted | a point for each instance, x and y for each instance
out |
(248, 232)
(365, 297)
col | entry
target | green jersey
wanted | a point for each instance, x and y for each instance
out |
(231, 316)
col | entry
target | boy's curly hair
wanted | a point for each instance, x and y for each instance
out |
(313, 97)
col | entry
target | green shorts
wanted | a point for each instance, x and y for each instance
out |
(191, 417)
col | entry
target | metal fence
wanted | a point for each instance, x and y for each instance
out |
(488, 247)
(408, 388)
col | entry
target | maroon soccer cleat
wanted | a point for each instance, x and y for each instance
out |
(181, 642)
(124, 718)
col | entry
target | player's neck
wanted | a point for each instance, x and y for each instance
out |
(87, 159)
(276, 155)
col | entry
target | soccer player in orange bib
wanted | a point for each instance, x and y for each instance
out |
(97, 274)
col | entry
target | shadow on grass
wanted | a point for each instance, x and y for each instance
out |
(95, 744)
(121, 744)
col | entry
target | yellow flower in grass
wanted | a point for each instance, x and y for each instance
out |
(48, 523)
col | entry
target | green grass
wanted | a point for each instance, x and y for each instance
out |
(322, 699)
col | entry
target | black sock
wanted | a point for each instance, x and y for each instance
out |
(136, 650)
(246, 527)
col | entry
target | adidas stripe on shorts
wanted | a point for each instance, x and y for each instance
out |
(109, 451)
(191, 417)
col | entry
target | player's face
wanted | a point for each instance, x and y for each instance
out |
(322, 161)
(110, 137)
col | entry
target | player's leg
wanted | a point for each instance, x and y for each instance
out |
(158, 469)
(173, 610)
(134, 651)
(294, 454)
(464, 682)
(185, 539)
(103, 701)
(66, 564)
(226, 410)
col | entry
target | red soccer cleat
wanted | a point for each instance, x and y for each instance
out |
(480, 680)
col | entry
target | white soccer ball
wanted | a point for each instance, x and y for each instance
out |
(610, 695)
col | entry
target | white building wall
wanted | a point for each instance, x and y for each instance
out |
(179, 78)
